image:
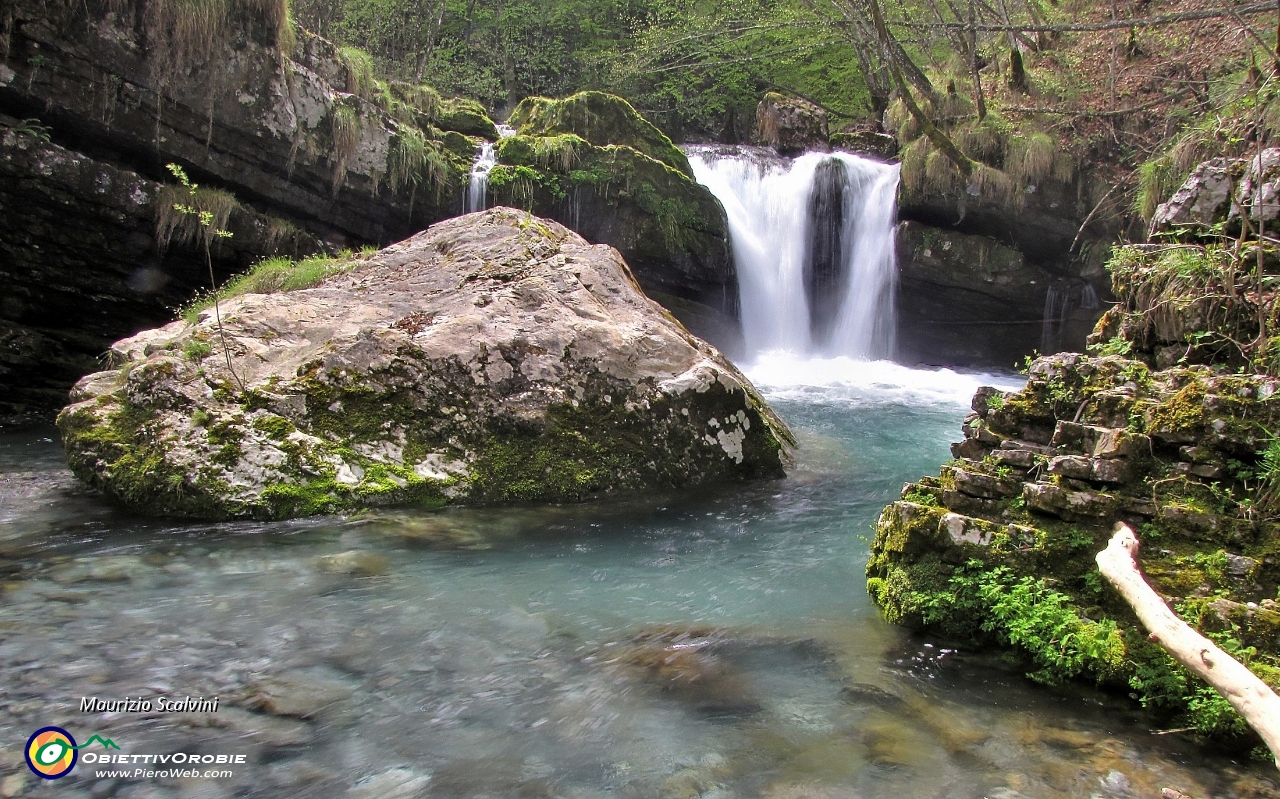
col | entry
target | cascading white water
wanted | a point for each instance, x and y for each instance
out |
(801, 229)
(486, 159)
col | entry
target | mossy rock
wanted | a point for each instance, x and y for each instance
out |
(495, 357)
(601, 119)
(671, 229)
(467, 117)
(1179, 454)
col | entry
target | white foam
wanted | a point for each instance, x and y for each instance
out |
(783, 375)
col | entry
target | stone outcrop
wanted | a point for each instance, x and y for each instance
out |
(593, 163)
(966, 299)
(1203, 199)
(1219, 190)
(493, 357)
(999, 546)
(871, 143)
(790, 125)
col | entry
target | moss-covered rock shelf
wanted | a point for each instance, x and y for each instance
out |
(495, 357)
(999, 546)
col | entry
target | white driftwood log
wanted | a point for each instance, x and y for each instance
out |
(1256, 703)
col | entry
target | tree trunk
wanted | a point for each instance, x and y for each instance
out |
(940, 141)
(1250, 696)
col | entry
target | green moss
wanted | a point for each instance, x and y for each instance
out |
(293, 500)
(467, 117)
(600, 119)
(276, 427)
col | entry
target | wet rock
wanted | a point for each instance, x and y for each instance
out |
(298, 693)
(867, 694)
(984, 486)
(395, 783)
(493, 357)
(1019, 458)
(106, 569)
(689, 668)
(13, 785)
(951, 283)
(790, 125)
(967, 530)
(353, 563)
(870, 143)
(270, 731)
(1069, 505)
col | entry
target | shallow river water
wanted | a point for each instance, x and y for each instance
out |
(714, 643)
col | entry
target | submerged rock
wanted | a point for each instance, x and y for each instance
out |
(493, 357)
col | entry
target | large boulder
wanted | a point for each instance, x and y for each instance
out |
(493, 357)
(790, 125)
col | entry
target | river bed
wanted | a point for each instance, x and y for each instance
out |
(714, 643)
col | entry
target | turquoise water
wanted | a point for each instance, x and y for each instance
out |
(715, 642)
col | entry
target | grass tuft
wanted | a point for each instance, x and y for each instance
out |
(274, 275)
(185, 228)
(1031, 158)
(359, 69)
(346, 128)
(414, 161)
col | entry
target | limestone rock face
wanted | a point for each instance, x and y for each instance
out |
(1203, 199)
(493, 357)
(790, 125)
(1220, 189)
(967, 299)
(81, 267)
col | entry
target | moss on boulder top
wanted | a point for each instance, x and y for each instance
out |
(600, 119)
(493, 357)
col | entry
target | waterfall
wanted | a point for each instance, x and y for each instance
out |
(1059, 301)
(486, 159)
(813, 243)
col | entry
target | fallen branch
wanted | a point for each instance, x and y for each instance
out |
(1256, 703)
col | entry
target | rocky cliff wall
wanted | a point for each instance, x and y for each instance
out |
(290, 126)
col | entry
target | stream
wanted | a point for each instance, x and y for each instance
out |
(714, 643)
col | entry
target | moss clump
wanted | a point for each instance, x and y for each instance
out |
(600, 119)
(467, 117)
(359, 71)
(672, 214)
(415, 162)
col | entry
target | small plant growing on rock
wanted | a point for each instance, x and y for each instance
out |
(210, 233)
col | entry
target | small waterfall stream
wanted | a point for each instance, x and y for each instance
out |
(486, 159)
(813, 242)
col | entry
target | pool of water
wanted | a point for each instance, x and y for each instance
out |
(714, 643)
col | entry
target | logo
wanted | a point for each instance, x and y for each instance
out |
(52, 752)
